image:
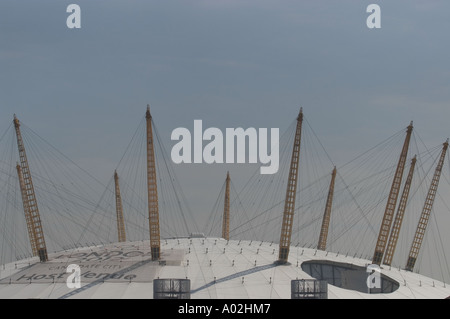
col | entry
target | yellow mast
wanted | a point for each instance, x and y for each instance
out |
(425, 216)
(226, 210)
(390, 250)
(26, 210)
(153, 210)
(29, 200)
(327, 214)
(392, 202)
(289, 204)
(119, 211)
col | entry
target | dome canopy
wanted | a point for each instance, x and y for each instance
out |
(215, 268)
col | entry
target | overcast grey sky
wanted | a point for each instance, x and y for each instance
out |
(228, 62)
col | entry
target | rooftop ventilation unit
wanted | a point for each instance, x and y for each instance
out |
(309, 289)
(172, 289)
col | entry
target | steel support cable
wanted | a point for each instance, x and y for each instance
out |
(438, 239)
(219, 209)
(236, 213)
(244, 217)
(372, 148)
(213, 217)
(236, 206)
(135, 198)
(300, 227)
(363, 215)
(51, 203)
(105, 223)
(378, 160)
(257, 185)
(170, 187)
(133, 163)
(168, 218)
(12, 242)
(70, 213)
(255, 217)
(258, 188)
(125, 190)
(95, 210)
(40, 168)
(12, 245)
(139, 129)
(425, 174)
(6, 132)
(312, 209)
(413, 205)
(131, 207)
(426, 211)
(44, 170)
(168, 204)
(347, 188)
(268, 210)
(65, 201)
(175, 186)
(256, 174)
(104, 218)
(311, 172)
(443, 175)
(376, 165)
(368, 204)
(11, 223)
(301, 190)
(64, 157)
(445, 262)
(320, 142)
(35, 223)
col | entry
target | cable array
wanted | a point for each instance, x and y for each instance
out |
(79, 210)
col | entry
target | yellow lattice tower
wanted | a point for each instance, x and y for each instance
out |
(226, 211)
(392, 202)
(30, 205)
(426, 211)
(153, 210)
(121, 235)
(393, 239)
(327, 214)
(289, 204)
(26, 210)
